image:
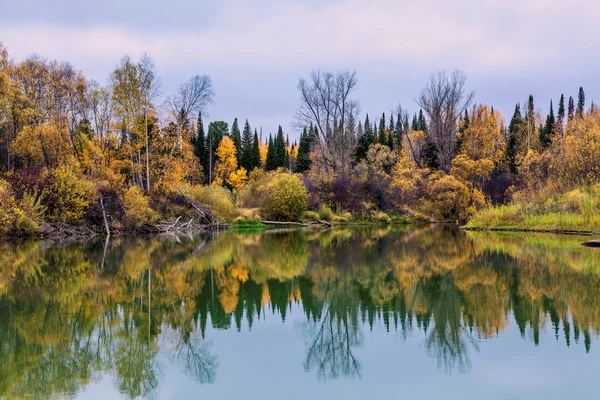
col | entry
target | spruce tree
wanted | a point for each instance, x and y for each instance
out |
(570, 110)
(398, 132)
(580, 102)
(282, 158)
(236, 137)
(271, 163)
(415, 125)
(382, 135)
(199, 142)
(422, 122)
(429, 155)
(365, 140)
(255, 154)
(547, 131)
(560, 117)
(303, 161)
(246, 147)
(515, 134)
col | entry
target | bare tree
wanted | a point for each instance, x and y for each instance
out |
(326, 104)
(444, 99)
(193, 96)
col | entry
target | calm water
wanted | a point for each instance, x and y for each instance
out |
(342, 314)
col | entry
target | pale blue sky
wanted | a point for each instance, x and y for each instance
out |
(255, 51)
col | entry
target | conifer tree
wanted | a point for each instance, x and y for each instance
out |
(429, 155)
(303, 161)
(271, 163)
(246, 148)
(580, 102)
(570, 110)
(199, 142)
(415, 124)
(560, 117)
(422, 123)
(382, 139)
(515, 134)
(530, 121)
(365, 140)
(398, 132)
(255, 151)
(547, 131)
(282, 156)
(236, 137)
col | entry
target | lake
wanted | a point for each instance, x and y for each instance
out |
(361, 313)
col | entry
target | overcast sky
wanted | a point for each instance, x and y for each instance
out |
(255, 51)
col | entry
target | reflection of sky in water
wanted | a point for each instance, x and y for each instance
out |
(344, 280)
(267, 362)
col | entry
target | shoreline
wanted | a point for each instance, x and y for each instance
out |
(531, 230)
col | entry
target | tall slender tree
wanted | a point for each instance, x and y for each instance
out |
(236, 137)
(580, 102)
(560, 117)
(515, 134)
(199, 143)
(547, 131)
(246, 148)
(255, 150)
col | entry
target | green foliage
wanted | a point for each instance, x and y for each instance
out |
(325, 213)
(311, 216)
(380, 217)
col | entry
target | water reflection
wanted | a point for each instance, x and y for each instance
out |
(71, 314)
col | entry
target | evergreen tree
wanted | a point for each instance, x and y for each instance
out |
(463, 125)
(560, 117)
(365, 140)
(547, 131)
(282, 156)
(515, 133)
(415, 125)
(382, 134)
(398, 132)
(255, 151)
(530, 121)
(246, 148)
(271, 163)
(580, 102)
(216, 131)
(570, 110)
(303, 161)
(422, 122)
(199, 142)
(236, 137)
(429, 155)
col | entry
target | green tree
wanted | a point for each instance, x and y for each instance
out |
(303, 161)
(247, 149)
(547, 131)
(199, 142)
(237, 139)
(255, 151)
(271, 163)
(560, 117)
(570, 110)
(515, 134)
(580, 102)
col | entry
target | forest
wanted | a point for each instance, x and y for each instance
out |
(123, 157)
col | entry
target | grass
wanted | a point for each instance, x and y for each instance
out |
(577, 211)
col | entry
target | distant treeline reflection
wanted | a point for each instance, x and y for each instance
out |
(71, 314)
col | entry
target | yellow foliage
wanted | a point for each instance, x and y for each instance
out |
(226, 161)
(137, 206)
(484, 137)
(286, 197)
(237, 179)
(41, 145)
(70, 195)
(217, 198)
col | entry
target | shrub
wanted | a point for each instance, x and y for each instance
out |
(381, 217)
(286, 198)
(253, 194)
(311, 216)
(7, 204)
(69, 196)
(325, 213)
(137, 206)
(217, 198)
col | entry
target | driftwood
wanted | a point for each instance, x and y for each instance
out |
(317, 222)
(61, 229)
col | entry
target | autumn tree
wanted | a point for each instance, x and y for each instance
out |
(226, 161)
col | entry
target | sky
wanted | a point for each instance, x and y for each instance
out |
(255, 51)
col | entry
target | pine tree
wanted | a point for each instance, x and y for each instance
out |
(282, 158)
(365, 140)
(547, 131)
(421, 122)
(382, 139)
(571, 110)
(255, 151)
(560, 117)
(515, 133)
(236, 137)
(398, 132)
(271, 163)
(199, 142)
(415, 124)
(246, 148)
(303, 161)
(429, 155)
(530, 121)
(580, 102)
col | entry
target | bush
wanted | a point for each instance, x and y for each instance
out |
(254, 193)
(7, 204)
(381, 217)
(69, 196)
(311, 216)
(137, 206)
(217, 198)
(286, 198)
(325, 213)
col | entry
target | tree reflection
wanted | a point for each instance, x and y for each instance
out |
(73, 313)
